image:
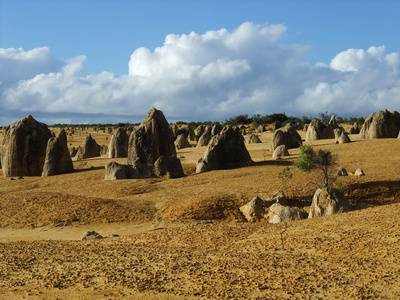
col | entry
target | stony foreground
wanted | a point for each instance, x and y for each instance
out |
(325, 258)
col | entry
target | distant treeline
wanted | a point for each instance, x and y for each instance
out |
(58, 125)
(244, 119)
(282, 118)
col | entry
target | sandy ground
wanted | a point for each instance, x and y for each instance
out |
(186, 238)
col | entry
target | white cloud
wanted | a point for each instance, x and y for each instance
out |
(369, 81)
(210, 76)
(18, 64)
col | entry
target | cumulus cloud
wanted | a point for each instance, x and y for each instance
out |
(18, 64)
(369, 81)
(210, 76)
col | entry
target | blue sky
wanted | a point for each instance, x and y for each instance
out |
(97, 61)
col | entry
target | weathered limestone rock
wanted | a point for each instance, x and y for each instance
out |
(182, 142)
(175, 130)
(278, 213)
(253, 139)
(24, 148)
(168, 167)
(117, 171)
(341, 137)
(152, 139)
(58, 159)
(332, 123)
(73, 151)
(260, 128)
(317, 131)
(216, 129)
(205, 138)
(327, 203)
(287, 136)
(277, 197)
(355, 129)
(341, 172)
(254, 210)
(200, 130)
(359, 172)
(225, 150)
(91, 235)
(381, 124)
(118, 146)
(191, 134)
(129, 131)
(280, 151)
(88, 149)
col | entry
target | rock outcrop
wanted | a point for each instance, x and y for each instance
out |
(118, 146)
(216, 129)
(359, 172)
(326, 203)
(287, 136)
(205, 138)
(381, 124)
(341, 136)
(225, 150)
(117, 171)
(73, 151)
(254, 210)
(91, 235)
(341, 172)
(24, 146)
(168, 167)
(152, 139)
(88, 149)
(182, 142)
(277, 197)
(58, 159)
(280, 151)
(317, 130)
(253, 139)
(278, 213)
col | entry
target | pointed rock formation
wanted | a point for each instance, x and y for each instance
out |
(182, 142)
(88, 149)
(58, 159)
(118, 144)
(225, 150)
(152, 139)
(24, 148)
(205, 138)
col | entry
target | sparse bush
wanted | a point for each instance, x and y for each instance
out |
(318, 160)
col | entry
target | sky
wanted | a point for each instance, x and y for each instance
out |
(103, 61)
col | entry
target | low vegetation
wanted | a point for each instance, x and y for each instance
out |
(320, 160)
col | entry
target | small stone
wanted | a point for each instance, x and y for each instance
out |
(91, 235)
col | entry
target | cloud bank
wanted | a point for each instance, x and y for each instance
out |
(199, 77)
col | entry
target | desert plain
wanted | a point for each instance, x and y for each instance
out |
(186, 238)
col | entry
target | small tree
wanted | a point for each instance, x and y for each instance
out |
(286, 175)
(319, 160)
